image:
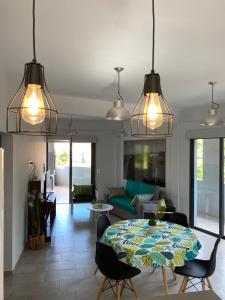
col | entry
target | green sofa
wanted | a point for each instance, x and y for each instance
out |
(122, 204)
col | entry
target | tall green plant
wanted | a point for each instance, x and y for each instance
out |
(34, 213)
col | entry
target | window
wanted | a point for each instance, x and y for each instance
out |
(200, 169)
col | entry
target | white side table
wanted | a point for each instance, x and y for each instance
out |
(94, 211)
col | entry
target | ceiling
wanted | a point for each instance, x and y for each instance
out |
(80, 42)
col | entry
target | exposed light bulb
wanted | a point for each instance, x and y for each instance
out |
(152, 117)
(33, 105)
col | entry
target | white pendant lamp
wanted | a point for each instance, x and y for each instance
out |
(213, 119)
(118, 112)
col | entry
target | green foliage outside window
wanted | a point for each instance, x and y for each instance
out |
(200, 169)
(62, 159)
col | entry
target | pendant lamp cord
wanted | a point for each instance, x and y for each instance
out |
(34, 46)
(118, 87)
(153, 36)
(213, 102)
(212, 92)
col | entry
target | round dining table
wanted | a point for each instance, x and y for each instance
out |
(170, 245)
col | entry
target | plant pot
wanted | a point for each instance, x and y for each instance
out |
(152, 229)
(42, 238)
(36, 242)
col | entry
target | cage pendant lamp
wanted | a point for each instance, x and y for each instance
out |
(69, 130)
(152, 116)
(118, 112)
(213, 119)
(32, 110)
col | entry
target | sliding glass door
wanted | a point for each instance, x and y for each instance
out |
(69, 163)
(81, 163)
(207, 185)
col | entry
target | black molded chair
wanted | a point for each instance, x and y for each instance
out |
(102, 224)
(177, 218)
(117, 274)
(198, 268)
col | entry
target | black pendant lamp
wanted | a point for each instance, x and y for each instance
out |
(32, 110)
(152, 116)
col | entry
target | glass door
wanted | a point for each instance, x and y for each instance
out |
(81, 164)
(58, 179)
(207, 185)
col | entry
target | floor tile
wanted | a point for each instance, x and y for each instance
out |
(65, 268)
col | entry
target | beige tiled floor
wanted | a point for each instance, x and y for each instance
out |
(65, 268)
(62, 193)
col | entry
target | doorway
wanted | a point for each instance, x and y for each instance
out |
(59, 167)
(207, 185)
(70, 163)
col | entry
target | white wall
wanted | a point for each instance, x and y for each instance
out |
(18, 151)
(1, 222)
(178, 153)
(24, 149)
(7, 145)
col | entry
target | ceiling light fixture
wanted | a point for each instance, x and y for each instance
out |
(118, 112)
(152, 116)
(69, 130)
(213, 119)
(32, 110)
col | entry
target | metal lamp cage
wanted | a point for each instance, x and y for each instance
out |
(33, 74)
(139, 122)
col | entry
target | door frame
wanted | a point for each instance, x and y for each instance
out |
(221, 188)
(93, 161)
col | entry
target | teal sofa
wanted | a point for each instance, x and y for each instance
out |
(122, 204)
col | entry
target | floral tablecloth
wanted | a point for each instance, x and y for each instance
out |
(171, 244)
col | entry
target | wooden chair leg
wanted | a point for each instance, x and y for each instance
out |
(118, 290)
(122, 288)
(165, 285)
(209, 284)
(174, 275)
(102, 288)
(203, 284)
(133, 288)
(96, 270)
(183, 285)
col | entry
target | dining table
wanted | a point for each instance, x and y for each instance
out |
(170, 244)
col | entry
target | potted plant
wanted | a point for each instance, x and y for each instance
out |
(152, 225)
(36, 237)
(96, 203)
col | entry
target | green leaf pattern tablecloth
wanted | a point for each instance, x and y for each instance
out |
(171, 245)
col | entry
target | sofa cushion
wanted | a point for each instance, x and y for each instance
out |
(124, 203)
(82, 190)
(132, 188)
(161, 209)
(142, 198)
(145, 188)
(116, 191)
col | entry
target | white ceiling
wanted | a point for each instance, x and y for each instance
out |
(80, 42)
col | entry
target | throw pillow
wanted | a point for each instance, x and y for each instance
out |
(160, 209)
(82, 190)
(116, 191)
(143, 198)
(156, 194)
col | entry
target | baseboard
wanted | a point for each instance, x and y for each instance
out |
(12, 272)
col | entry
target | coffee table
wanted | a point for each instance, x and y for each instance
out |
(94, 211)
